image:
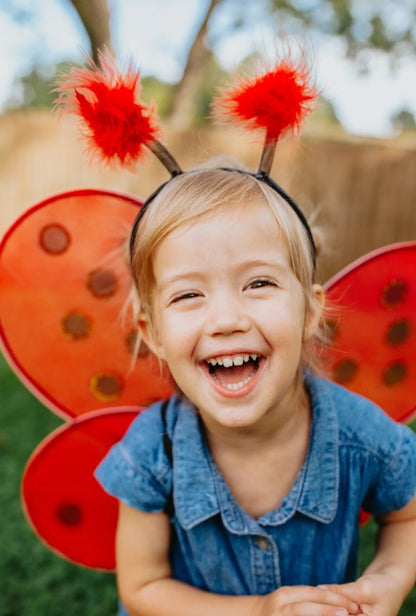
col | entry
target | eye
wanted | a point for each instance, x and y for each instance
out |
(185, 296)
(259, 283)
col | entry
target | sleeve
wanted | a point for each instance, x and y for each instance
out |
(136, 470)
(394, 485)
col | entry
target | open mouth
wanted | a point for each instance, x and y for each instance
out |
(234, 371)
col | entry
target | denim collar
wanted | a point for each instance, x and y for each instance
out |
(203, 493)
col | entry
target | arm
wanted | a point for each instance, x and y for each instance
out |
(147, 589)
(391, 575)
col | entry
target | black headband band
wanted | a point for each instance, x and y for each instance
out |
(258, 176)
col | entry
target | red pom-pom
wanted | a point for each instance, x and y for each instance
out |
(277, 101)
(117, 124)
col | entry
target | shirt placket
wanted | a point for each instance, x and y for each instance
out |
(265, 566)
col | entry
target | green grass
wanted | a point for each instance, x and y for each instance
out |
(33, 580)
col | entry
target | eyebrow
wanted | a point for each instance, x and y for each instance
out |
(177, 278)
(194, 274)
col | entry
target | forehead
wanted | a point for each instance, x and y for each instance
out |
(250, 215)
(234, 232)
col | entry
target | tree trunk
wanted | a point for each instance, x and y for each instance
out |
(95, 16)
(186, 90)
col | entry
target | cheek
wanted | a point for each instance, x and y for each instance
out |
(289, 333)
(290, 315)
(174, 335)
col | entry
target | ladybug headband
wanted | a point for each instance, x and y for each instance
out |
(118, 126)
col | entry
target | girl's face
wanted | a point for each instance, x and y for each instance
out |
(229, 315)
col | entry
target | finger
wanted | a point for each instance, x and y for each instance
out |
(338, 588)
(346, 590)
(309, 608)
(341, 600)
(341, 589)
(321, 596)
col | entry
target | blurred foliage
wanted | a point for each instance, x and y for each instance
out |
(35, 89)
(325, 110)
(404, 120)
(387, 25)
(158, 92)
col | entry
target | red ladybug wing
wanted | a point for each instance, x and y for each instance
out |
(64, 503)
(374, 328)
(66, 326)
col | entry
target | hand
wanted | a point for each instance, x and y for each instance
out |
(306, 601)
(377, 594)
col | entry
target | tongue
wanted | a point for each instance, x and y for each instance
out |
(236, 374)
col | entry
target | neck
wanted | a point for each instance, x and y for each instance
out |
(279, 427)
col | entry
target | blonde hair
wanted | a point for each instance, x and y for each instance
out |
(194, 193)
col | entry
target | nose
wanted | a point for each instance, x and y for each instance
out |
(226, 315)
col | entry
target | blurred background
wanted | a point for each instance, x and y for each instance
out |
(353, 168)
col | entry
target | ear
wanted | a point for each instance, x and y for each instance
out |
(316, 308)
(149, 335)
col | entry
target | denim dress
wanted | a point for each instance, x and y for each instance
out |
(358, 458)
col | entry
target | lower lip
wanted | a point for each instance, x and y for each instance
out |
(242, 391)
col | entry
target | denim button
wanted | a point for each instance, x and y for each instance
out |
(262, 543)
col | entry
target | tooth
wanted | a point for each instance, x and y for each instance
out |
(235, 386)
(228, 362)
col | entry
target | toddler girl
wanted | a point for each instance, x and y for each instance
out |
(241, 494)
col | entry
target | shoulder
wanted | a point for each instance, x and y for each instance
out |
(377, 456)
(347, 405)
(138, 469)
(144, 439)
(361, 422)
